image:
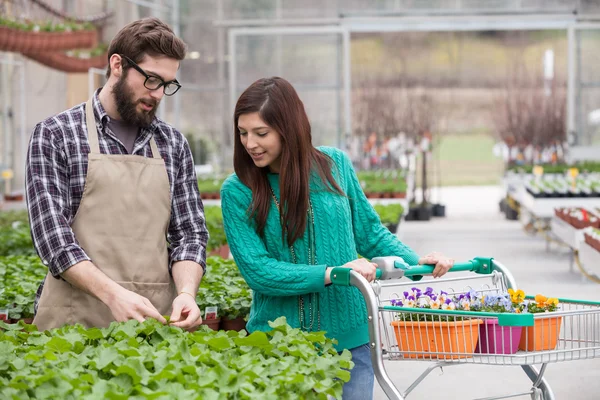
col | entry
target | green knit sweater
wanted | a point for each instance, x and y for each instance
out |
(344, 228)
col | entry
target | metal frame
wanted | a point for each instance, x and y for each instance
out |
(433, 19)
(370, 293)
(234, 33)
(8, 146)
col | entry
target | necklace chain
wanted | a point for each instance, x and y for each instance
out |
(312, 260)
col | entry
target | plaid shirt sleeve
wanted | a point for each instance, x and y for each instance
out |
(47, 188)
(187, 235)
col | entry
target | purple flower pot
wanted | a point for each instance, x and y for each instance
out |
(496, 339)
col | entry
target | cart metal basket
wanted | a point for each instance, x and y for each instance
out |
(450, 337)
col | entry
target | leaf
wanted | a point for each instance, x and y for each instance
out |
(106, 355)
(255, 339)
(59, 345)
(220, 343)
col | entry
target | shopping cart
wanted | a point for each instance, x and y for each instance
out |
(450, 337)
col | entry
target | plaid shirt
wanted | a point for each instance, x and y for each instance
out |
(56, 169)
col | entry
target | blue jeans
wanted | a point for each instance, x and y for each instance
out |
(362, 377)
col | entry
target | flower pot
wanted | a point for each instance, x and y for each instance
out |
(496, 339)
(543, 335)
(17, 40)
(392, 227)
(212, 323)
(512, 215)
(426, 338)
(236, 324)
(438, 210)
(399, 195)
(222, 252)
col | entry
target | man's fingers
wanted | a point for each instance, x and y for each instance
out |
(152, 312)
(176, 314)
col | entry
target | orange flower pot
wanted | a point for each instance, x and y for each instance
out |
(543, 335)
(425, 338)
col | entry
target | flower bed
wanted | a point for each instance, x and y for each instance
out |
(28, 37)
(150, 360)
(426, 335)
(592, 237)
(383, 183)
(562, 186)
(579, 218)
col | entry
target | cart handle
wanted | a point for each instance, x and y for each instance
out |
(395, 268)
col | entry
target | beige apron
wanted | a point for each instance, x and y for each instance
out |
(121, 224)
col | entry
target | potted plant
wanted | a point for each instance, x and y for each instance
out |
(217, 242)
(544, 334)
(390, 215)
(496, 339)
(421, 335)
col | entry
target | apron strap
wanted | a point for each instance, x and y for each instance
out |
(91, 127)
(155, 152)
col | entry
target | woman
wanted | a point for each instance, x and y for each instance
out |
(292, 212)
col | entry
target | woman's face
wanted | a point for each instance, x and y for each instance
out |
(262, 142)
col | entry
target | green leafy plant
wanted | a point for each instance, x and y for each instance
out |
(223, 286)
(210, 185)
(152, 361)
(21, 277)
(389, 214)
(214, 224)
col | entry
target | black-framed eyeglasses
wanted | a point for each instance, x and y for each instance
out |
(154, 82)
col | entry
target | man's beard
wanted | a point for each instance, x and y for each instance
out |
(127, 107)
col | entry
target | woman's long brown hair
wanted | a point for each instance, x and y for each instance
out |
(278, 105)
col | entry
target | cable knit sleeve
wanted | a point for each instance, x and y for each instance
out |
(372, 238)
(262, 272)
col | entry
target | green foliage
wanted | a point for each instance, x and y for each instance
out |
(20, 278)
(224, 287)
(147, 360)
(45, 26)
(381, 181)
(389, 214)
(210, 185)
(214, 224)
(15, 235)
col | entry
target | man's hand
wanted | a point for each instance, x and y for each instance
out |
(126, 305)
(186, 314)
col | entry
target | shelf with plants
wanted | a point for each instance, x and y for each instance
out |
(73, 61)
(589, 253)
(383, 183)
(210, 187)
(29, 36)
(562, 186)
(559, 168)
(568, 224)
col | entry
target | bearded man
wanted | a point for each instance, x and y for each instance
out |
(112, 196)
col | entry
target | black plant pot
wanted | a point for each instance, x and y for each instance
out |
(392, 227)
(424, 213)
(412, 214)
(438, 210)
(511, 215)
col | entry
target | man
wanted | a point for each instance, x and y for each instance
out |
(113, 199)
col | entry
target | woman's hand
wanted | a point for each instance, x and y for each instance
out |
(364, 267)
(441, 262)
